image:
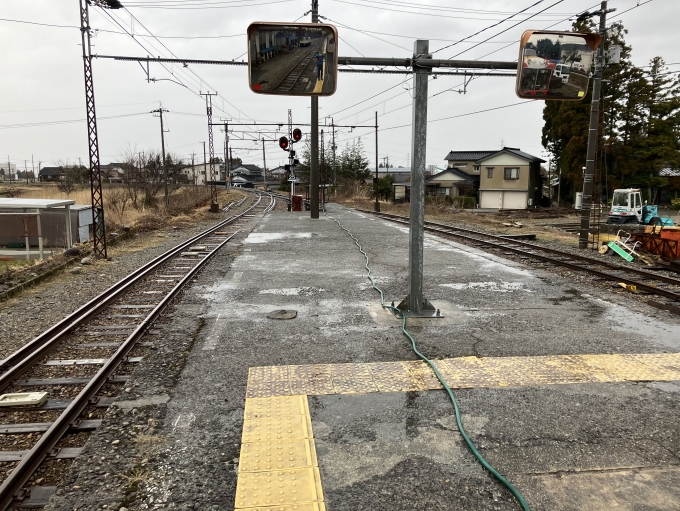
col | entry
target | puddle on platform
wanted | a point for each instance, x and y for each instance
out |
(266, 237)
(634, 323)
(497, 287)
(293, 291)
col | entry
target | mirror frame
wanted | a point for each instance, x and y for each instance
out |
(592, 40)
(258, 25)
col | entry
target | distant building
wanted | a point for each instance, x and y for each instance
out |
(508, 178)
(48, 174)
(196, 174)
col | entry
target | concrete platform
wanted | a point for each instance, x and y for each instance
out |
(574, 398)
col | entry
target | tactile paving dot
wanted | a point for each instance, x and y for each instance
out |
(275, 406)
(352, 379)
(278, 487)
(267, 429)
(277, 455)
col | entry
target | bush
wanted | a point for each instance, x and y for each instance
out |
(463, 202)
(675, 203)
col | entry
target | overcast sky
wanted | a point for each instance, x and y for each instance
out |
(42, 74)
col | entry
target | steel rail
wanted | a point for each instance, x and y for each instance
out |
(447, 230)
(303, 65)
(35, 456)
(19, 361)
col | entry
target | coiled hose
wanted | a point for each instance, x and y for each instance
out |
(515, 492)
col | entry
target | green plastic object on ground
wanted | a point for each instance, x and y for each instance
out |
(620, 251)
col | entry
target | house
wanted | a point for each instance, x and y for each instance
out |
(401, 174)
(51, 174)
(246, 181)
(451, 182)
(195, 174)
(508, 178)
(114, 172)
(247, 170)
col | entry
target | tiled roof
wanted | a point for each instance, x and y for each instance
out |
(468, 155)
(669, 172)
(478, 156)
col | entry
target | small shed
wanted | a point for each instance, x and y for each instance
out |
(42, 222)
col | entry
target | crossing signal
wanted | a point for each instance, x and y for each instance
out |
(283, 143)
(297, 134)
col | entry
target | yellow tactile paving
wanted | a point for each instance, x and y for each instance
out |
(278, 487)
(465, 372)
(278, 469)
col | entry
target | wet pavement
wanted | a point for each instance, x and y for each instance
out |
(610, 442)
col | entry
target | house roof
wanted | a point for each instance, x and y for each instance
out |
(479, 156)
(669, 172)
(391, 170)
(455, 172)
(468, 155)
(251, 168)
(246, 178)
(51, 171)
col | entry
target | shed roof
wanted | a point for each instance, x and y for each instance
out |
(18, 203)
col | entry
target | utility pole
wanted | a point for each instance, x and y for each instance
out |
(32, 169)
(9, 169)
(160, 111)
(26, 171)
(193, 168)
(415, 304)
(264, 170)
(214, 206)
(584, 234)
(377, 178)
(322, 174)
(314, 168)
(226, 151)
(205, 173)
(98, 223)
(334, 148)
(231, 163)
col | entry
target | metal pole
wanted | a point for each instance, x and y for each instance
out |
(418, 154)
(377, 178)
(314, 168)
(322, 174)
(264, 163)
(334, 147)
(584, 233)
(98, 224)
(205, 161)
(214, 205)
(226, 150)
(160, 111)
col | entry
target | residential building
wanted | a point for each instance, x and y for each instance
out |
(508, 178)
(451, 182)
(51, 174)
(195, 174)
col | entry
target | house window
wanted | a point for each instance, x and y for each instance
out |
(511, 173)
(475, 168)
(489, 172)
(460, 165)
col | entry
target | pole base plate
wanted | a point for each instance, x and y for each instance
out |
(215, 208)
(427, 311)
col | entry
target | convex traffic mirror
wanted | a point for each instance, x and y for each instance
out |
(555, 65)
(293, 59)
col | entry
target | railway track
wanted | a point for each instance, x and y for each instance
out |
(666, 289)
(104, 334)
(292, 79)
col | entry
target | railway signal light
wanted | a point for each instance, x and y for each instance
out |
(297, 134)
(283, 143)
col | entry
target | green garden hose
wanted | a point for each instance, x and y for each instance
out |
(515, 492)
